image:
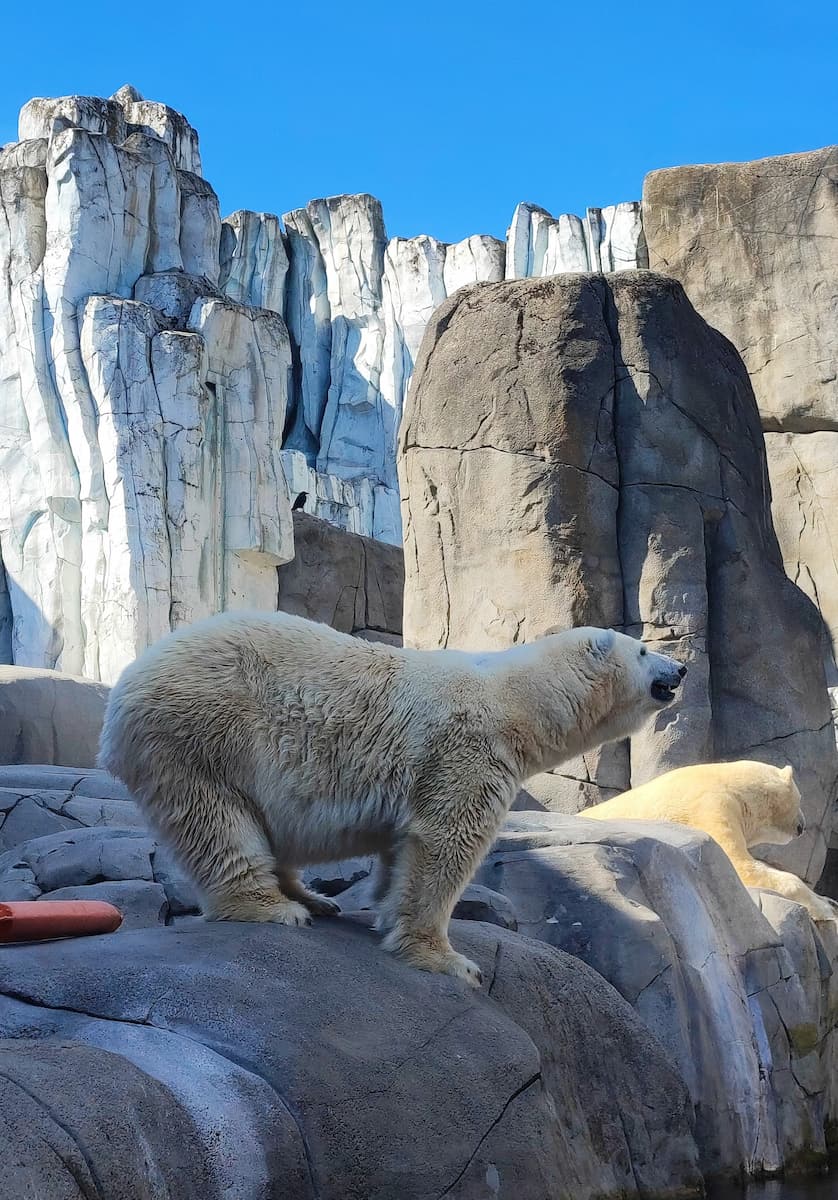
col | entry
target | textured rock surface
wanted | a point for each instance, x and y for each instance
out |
(46, 717)
(352, 583)
(111, 252)
(744, 1001)
(734, 1005)
(756, 248)
(610, 461)
(141, 478)
(429, 1089)
(254, 260)
(357, 306)
(609, 239)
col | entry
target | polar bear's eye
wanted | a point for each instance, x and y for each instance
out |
(642, 651)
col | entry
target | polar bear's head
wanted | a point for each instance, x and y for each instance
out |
(597, 686)
(772, 812)
(639, 681)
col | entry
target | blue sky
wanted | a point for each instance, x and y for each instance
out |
(450, 112)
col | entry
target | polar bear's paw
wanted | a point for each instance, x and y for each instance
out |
(288, 912)
(429, 953)
(320, 906)
(461, 968)
(279, 912)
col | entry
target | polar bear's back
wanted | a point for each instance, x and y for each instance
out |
(213, 689)
(687, 795)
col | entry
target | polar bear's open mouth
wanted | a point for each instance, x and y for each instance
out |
(662, 693)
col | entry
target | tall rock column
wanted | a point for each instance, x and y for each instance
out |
(756, 247)
(142, 414)
(587, 450)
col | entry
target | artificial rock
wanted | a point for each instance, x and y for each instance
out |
(608, 469)
(754, 245)
(725, 1066)
(103, 203)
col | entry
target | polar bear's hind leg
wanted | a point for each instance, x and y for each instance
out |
(225, 848)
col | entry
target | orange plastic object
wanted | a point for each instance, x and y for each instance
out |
(36, 920)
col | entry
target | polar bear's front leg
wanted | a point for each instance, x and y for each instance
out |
(433, 865)
(759, 875)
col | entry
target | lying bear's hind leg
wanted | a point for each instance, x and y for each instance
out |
(225, 848)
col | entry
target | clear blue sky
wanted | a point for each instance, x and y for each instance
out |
(449, 112)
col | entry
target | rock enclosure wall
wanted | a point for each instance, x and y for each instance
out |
(608, 468)
(717, 1056)
(756, 248)
(170, 382)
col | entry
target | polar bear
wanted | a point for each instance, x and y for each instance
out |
(259, 743)
(740, 804)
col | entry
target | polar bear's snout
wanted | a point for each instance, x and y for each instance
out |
(666, 678)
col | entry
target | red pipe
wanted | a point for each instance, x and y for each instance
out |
(36, 920)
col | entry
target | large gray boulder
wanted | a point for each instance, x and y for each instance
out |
(48, 717)
(755, 245)
(738, 1003)
(260, 1061)
(587, 450)
(354, 584)
(744, 1001)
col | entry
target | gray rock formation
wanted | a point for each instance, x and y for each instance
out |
(756, 247)
(734, 1009)
(50, 718)
(742, 999)
(609, 239)
(352, 1076)
(140, 450)
(112, 251)
(352, 583)
(609, 469)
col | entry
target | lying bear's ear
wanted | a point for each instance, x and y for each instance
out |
(551, 630)
(787, 773)
(602, 643)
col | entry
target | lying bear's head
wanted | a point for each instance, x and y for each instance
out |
(774, 814)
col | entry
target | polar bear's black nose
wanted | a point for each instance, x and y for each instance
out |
(682, 670)
(801, 827)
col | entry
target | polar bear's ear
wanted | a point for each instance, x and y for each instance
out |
(553, 629)
(602, 643)
(787, 772)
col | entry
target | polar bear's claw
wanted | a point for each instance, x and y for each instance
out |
(289, 912)
(462, 968)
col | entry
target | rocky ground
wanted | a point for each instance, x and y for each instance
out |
(642, 1023)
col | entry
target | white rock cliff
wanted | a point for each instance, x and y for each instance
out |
(170, 383)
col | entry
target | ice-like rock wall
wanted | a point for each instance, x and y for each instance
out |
(141, 413)
(171, 383)
(609, 239)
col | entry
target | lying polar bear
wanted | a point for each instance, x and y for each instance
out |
(260, 743)
(740, 804)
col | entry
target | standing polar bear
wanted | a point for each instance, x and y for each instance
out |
(740, 804)
(259, 743)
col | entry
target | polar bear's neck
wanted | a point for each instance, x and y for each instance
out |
(552, 711)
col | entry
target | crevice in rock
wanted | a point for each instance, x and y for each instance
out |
(519, 1091)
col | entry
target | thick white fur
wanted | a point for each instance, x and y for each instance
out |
(740, 804)
(258, 743)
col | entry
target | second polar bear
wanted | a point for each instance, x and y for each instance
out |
(259, 743)
(740, 804)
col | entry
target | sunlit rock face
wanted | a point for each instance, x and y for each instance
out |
(609, 470)
(608, 239)
(142, 411)
(171, 383)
